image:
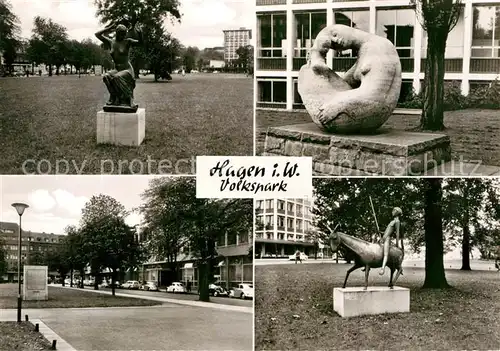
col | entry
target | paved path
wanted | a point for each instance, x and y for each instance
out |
(165, 327)
(160, 297)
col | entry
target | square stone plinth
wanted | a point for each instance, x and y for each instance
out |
(387, 152)
(352, 302)
(127, 129)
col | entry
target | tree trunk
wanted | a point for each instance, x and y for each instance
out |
(466, 234)
(96, 281)
(434, 265)
(82, 274)
(50, 70)
(433, 92)
(71, 278)
(113, 279)
(203, 273)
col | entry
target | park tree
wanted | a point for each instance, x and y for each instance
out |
(213, 220)
(37, 258)
(112, 244)
(150, 14)
(165, 229)
(346, 203)
(438, 18)
(57, 260)
(75, 254)
(245, 57)
(100, 211)
(433, 226)
(470, 205)
(48, 43)
(190, 57)
(9, 34)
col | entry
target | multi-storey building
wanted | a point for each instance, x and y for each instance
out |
(233, 40)
(34, 246)
(286, 30)
(234, 267)
(283, 226)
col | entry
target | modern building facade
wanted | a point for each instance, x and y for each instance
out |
(33, 246)
(283, 226)
(286, 30)
(233, 40)
(235, 264)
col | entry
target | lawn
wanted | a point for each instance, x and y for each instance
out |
(474, 134)
(51, 121)
(464, 317)
(68, 298)
(21, 336)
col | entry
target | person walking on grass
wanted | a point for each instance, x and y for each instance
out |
(297, 257)
(188, 286)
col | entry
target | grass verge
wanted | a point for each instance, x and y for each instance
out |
(21, 336)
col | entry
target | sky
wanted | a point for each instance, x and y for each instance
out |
(57, 201)
(201, 24)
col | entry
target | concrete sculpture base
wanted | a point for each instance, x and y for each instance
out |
(355, 301)
(127, 129)
(386, 152)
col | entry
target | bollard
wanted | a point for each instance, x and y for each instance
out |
(27, 319)
(54, 342)
(36, 327)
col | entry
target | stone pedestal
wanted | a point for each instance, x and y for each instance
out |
(352, 302)
(35, 283)
(127, 129)
(387, 152)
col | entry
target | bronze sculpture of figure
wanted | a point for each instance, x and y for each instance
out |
(120, 81)
(365, 97)
(368, 255)
(392, 228)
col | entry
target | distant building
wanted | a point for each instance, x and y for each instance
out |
(283, 227)
(286, 30)
(216, 64)
(234, 267)
(31, 242)
(233, 40)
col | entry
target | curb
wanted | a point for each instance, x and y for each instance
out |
(242, 309)
(49, 334)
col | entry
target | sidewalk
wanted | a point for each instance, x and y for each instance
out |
(219, 306)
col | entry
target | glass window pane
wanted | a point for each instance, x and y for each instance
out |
(279, 30)
(480, 53)
(397, 26)
(265, 31)
(279, 91)
(483, 21)
(264, 91)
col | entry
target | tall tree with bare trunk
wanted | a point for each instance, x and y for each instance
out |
(438, 18)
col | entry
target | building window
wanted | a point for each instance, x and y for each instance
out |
(299, 224)
(243, 238)
(231, 239)
(269, 220)
(281, 205)
(299, 210)
(307, 27)
(281, 221)
(397, 26)
(289, 206)
(269, 204)
(272, 91)
(485, 31)
(259, 204)
(272, 35)
(297, 99)
(359, 19)
(289, 223)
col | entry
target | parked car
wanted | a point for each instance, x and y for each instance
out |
(303, 257)
(131, 284)
(177, 287)
(243, 291)
(217, 290)
(150, 286)
(88, 282)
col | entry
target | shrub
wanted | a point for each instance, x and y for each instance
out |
(487, 97)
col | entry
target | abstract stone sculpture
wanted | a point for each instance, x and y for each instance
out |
(368, 255)
(120, 81)
(365, 97)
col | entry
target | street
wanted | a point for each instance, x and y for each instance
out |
(169, 326)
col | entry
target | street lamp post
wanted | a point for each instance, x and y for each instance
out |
(20, 207)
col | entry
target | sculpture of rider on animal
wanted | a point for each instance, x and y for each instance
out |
(373, 255)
